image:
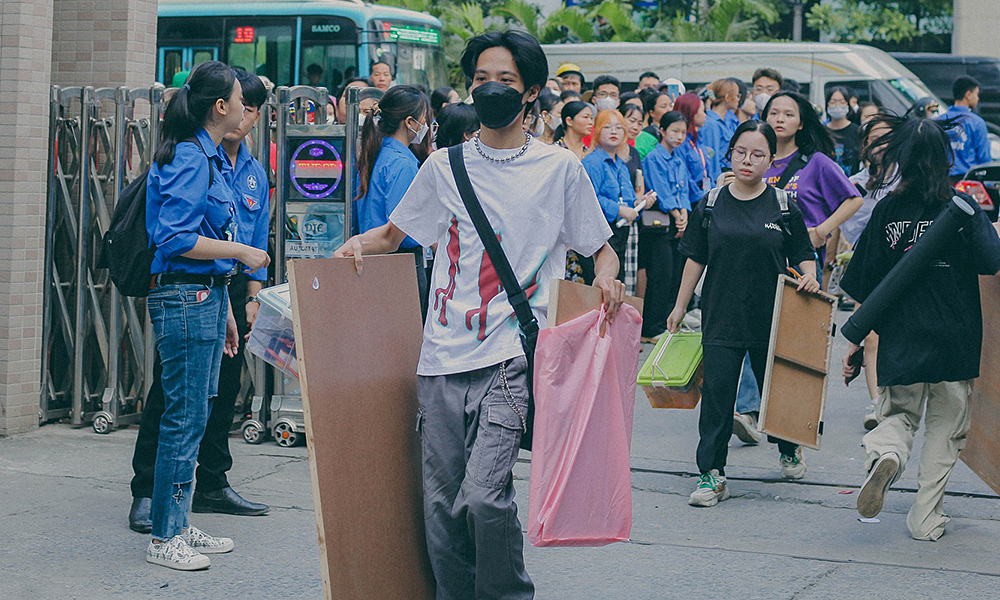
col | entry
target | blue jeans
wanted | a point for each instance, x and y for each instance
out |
(747, 395)
(190, 325)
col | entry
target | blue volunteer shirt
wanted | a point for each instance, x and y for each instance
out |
(180, 207)
(703, 169)
(611, 180)
(395, 168)
(253, 210)
(667, 175)
(969, 141)
(716, 133)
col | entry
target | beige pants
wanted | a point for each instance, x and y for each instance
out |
(947, 423)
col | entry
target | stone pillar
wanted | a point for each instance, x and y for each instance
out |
(104, 43)
(25, 63)
(975, 28)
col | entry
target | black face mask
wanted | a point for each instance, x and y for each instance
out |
(496, 104)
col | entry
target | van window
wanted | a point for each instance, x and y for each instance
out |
(861, 89)
(937, 76)
(986, 73)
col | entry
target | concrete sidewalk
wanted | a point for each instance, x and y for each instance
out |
(64, 500)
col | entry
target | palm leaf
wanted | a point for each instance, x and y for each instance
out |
(522, 13)
(577, 23)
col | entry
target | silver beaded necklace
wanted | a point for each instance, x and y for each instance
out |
(520, 153)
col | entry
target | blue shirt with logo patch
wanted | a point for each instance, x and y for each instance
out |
(253, 210)
(667, 175)
(181, 206)
(611, 180)
(395, 168)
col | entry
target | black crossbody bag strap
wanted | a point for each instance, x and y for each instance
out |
(793, 167)
(518, 299)
(515, 295)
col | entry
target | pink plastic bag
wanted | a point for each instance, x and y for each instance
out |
(580, 492)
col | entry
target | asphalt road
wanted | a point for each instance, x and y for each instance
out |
(64, 499)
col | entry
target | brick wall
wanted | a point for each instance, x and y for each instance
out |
(104, 43)
(25, 59)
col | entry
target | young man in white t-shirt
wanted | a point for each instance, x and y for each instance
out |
(472, 389)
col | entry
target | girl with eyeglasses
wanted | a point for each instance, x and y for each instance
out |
(387, 165)
(610, 175)
(846, 135)
(746, 243)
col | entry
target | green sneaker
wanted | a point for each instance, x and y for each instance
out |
(792, 465)
(711, 489)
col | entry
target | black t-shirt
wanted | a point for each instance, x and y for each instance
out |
(634, 164)
(847, 148)
(934, 333)
(745, 251)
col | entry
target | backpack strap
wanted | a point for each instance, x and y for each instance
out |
(801, 159)
(211, 172)
(786, 214)
(713, 197)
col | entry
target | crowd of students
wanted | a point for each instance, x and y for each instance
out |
(691, 198)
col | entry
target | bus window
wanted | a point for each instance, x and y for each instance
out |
(329, 52)
(262, 47)
(414, 53)
(172, 61)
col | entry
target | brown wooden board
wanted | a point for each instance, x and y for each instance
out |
(798, 359)
(358, 342)
(568, 300)
(982, 449)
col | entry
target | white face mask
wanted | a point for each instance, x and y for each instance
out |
(539, 127)
(361, 120)
(761, 101)
(837, 112)
(608, 103)
(421, 133)
(552, 122)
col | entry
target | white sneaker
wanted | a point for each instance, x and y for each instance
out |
(176, 554)
(872, 493)
(745, 428)
(792, 465)
(711, 490)
(206, 544)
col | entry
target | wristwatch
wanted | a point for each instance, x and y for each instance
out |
(253, 299)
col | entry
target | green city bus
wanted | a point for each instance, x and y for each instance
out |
(284, 39)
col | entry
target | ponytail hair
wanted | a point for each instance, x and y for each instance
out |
(398, 103)
(190, 107)
(569, 111)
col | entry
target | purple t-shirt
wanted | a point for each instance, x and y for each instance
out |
(818, 188)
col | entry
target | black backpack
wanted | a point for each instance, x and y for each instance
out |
(125, 251)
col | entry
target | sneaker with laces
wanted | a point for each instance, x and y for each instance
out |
(176, 554)
(745, 428)
(792, 465)
(872, 493)
(711, 489)
(206, 544)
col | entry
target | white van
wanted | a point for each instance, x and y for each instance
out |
(869, 72)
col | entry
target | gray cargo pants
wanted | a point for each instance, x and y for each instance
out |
(470, 435)
(945, 410)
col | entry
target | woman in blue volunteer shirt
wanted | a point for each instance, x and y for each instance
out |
(613, 184)
(667, 175)
(387, 166)
(701, 160)
(190, 208)
(720, 120)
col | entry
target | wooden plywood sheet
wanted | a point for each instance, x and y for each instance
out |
(982, 450)
(568, 300)
(358, 342)
(794, 394)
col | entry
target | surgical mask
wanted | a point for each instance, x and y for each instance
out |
(539, 127)
(361, 120)
(761, 101)
(496, 104)
(553, 122)
(607, 103)
(838, 112)
(421, 133)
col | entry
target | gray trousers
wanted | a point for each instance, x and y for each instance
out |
(469, 437)
(945, 410)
